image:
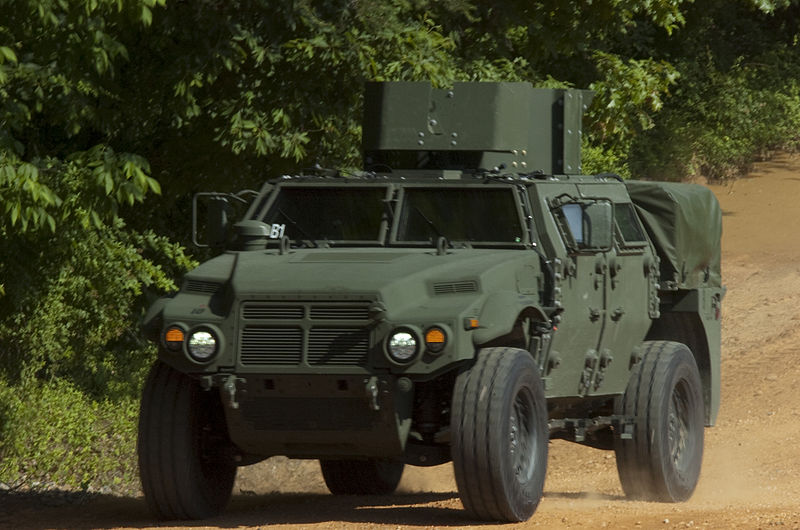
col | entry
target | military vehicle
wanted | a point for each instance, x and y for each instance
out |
(468, 297)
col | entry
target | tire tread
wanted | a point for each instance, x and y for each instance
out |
(176, 483)
(479, 415)
(642, 472)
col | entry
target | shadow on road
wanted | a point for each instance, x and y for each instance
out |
(54, 509)
(59, 509)
(400, 509)
(583, 495)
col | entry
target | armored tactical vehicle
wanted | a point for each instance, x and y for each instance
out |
(468, 297)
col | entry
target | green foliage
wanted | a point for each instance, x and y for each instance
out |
(55, 434)
(113, 113)
(723, 127)
(74, 277)
(596, 159)
(25, 199)
(627, 95)
(76, 312)
(733, 103)
(72, 358)
(88, 184)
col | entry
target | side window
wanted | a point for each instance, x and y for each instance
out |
(585, 225)
(628, 228)
(573, 216)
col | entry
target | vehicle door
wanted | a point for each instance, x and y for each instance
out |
(631, 299)
(583, 226)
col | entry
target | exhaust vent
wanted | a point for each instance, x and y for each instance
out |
(200, 286)
(469, 286)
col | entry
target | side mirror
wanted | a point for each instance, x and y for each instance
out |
(214, 219)
(211, 217)
(217, 227)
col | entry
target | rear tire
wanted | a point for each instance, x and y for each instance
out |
(500, 435)
(662, 461)
(361, 477)
(185, 456)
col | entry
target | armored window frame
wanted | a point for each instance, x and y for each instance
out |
(629, 230)
(575, 223)
(514, 199)
(381, 230)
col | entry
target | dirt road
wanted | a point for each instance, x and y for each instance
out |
(751, 469)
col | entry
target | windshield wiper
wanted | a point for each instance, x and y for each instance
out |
(430, 223)
(441, 242)
(299, 228)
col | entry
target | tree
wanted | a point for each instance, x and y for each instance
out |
(71, 271)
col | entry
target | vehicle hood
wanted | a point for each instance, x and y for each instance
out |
(403, 277)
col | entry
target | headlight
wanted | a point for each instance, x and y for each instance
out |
(202, 345)
(402, 346)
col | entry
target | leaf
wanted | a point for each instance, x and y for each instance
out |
(15, 211)
(147, 15)
(96, 220)
(7, 54)
(109, 183)
(154, 185)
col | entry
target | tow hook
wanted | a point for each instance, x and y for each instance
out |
(372, 393)
(227, 383)
(229, 392)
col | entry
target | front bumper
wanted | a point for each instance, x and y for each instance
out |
(319, 416)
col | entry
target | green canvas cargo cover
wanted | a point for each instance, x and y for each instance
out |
(685, 224)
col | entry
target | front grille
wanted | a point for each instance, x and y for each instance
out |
(338, 346)
(291, 334)
(271, 346)
(339, 313)
(253, 311)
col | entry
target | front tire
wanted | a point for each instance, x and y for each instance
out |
(662, 461)
(361, 477)
(185, 457)
(500, 435)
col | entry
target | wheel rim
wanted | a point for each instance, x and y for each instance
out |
(679, 432)
(522, 436)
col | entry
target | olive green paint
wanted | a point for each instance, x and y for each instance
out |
(539, 258)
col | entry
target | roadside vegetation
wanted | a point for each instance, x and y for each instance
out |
(112, 114)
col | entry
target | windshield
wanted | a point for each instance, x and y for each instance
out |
(475, 215)
(328, 214)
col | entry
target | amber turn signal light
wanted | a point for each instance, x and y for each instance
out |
(435, 339)
(471, 323)
(174, 338)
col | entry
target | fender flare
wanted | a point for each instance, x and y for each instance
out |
(153, 319)
(500, 313)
